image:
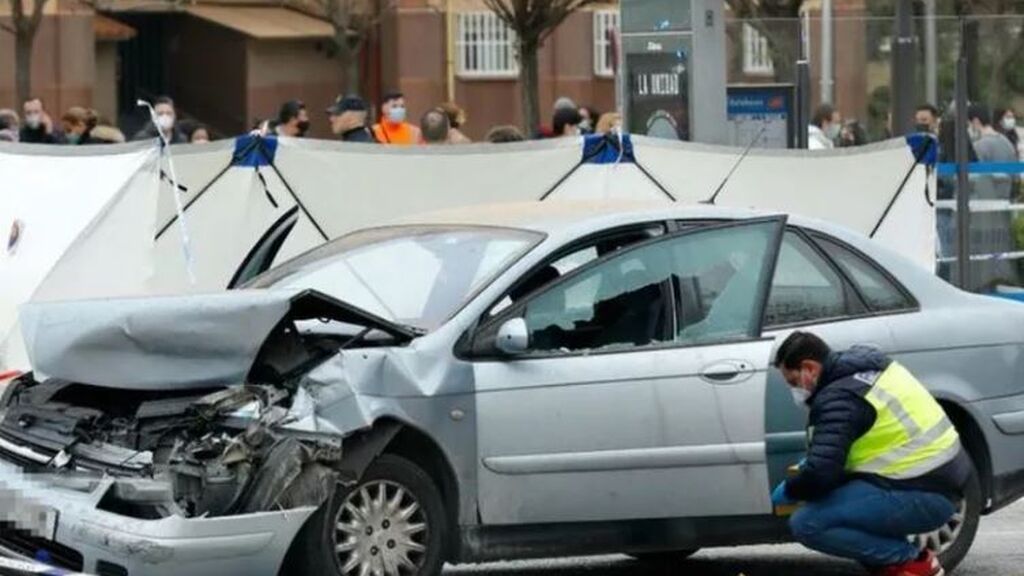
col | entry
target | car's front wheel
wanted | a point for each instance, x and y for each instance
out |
(952, 541)
(392, 523)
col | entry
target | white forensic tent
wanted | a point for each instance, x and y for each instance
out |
(236, 193)
(68, 222)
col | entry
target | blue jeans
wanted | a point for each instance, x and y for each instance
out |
(869, 524)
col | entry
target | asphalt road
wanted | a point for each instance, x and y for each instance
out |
(998, 551)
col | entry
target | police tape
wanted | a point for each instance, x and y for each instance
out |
(950, 168)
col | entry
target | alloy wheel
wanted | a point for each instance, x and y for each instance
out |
(380, 530)
(938, 541)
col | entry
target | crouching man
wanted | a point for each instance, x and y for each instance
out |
(883, 461)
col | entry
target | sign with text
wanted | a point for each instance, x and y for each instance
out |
(659, 95)
(762, 114)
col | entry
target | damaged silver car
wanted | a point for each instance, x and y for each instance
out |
(507, 382)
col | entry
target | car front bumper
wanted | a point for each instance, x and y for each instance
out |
(245, 544)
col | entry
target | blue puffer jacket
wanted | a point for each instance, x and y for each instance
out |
(839, 416)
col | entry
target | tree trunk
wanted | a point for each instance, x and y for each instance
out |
(529, 87)
(23, 64)
(348, 59)
(352, 79)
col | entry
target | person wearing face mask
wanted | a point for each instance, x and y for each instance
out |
(393, 128)
(292, 120)
(926, 118)
(78, 125)
(166, 119)
(38, 126)
(588, 119)
(883, 460)
(990, 146)
(824, 128)
(1006, 124)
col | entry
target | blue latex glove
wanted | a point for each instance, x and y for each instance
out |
(779, 497)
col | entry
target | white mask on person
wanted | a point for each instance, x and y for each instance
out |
(1009, 123)
(396, 114)
(33, 120)
(800, 395)
(165, 121)
(833, 131)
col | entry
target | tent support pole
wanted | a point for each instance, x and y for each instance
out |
(918, 156)
(655, 181)
(565, 177)
(208, 185)
(299, 203)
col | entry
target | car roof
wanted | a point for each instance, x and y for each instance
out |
(555, 216)
(564, 220)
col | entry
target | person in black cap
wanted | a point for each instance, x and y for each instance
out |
(292, 120)
(348, 120)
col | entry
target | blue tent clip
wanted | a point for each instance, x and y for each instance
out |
(918, 141)
(604, 149)
(254, 151)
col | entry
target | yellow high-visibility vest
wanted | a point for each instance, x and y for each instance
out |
(911, 435)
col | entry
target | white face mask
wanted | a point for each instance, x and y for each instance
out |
(1009, 123)
(165, 121)
(33, 120)
(800, 396)
(396, 114)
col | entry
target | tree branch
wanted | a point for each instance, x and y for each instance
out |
(37, 13)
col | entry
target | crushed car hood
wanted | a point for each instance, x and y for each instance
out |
(173, 342)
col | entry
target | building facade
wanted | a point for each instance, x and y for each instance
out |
(230, 64)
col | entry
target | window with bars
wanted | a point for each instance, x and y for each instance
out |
(606, 25)
(485, 45)
(757, 56)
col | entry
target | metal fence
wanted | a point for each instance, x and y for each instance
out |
(859, 83)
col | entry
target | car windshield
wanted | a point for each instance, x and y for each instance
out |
(413, 275)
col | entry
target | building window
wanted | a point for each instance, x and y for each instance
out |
(606, 25)
(757, 56)
(485, 45)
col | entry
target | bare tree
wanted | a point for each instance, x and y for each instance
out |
(354, 21)
(533, 21)
(24, 27)
(778, 21)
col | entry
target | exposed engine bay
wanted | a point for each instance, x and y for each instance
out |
(197, 451)
(216, 453)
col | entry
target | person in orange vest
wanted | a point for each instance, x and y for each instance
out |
(392, 128)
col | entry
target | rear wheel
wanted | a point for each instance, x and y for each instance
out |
(392, 523)
(952, 541)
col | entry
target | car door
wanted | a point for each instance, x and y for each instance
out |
(613, 411)
(812, 290)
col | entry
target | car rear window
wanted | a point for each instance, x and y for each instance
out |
(880, 293)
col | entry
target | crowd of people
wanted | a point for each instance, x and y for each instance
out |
(79, 125)
(994, 135)
(348, 118)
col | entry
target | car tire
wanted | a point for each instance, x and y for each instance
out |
(953, 541)
(411, 506)
(668, 559)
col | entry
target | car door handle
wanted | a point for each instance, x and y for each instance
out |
(725, 372)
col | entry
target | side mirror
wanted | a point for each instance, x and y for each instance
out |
(513, 337)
